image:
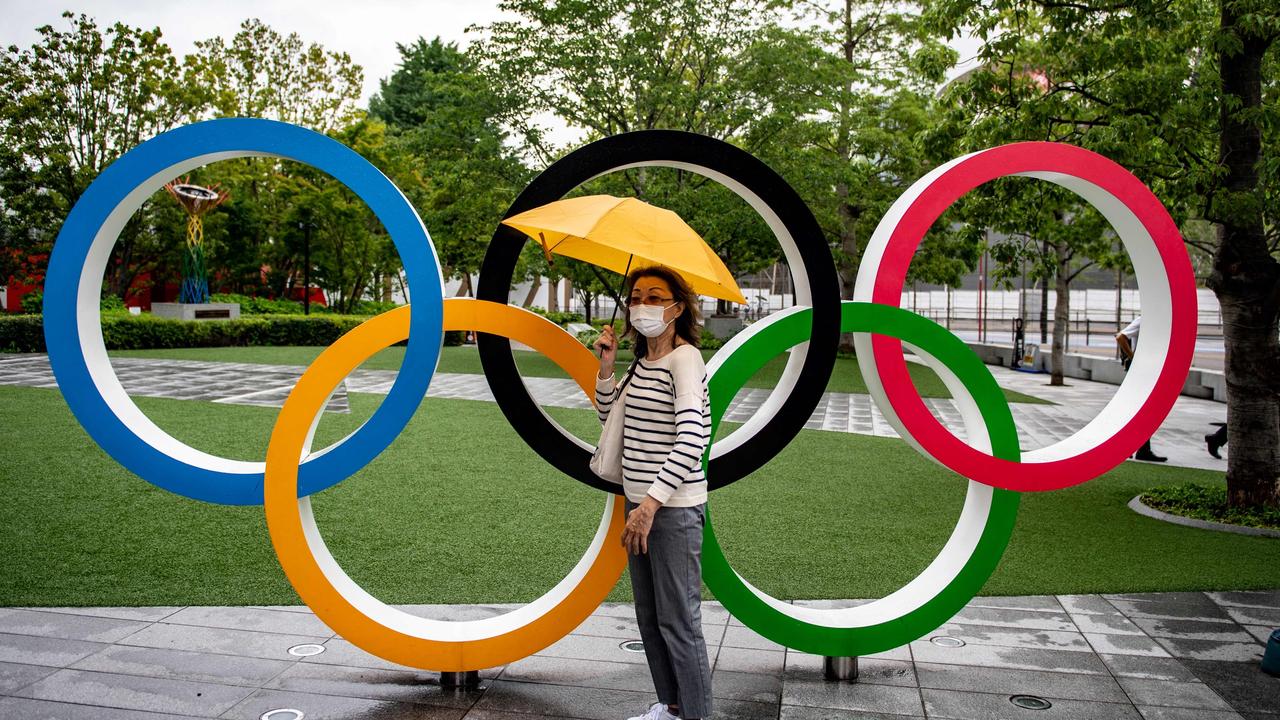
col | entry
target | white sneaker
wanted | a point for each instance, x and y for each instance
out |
(657, 711)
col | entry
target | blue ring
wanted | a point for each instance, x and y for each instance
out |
(241, 136)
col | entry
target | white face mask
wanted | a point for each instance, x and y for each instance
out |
(647, 319)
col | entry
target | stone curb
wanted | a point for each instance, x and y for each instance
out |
(1137, 506)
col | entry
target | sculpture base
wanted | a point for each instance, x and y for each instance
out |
(459, 680)
(196, 311)
(841, 669)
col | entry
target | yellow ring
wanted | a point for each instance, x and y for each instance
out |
(352, 612)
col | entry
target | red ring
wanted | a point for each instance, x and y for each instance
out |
(940, 194)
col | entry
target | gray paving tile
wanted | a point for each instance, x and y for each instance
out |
(145, 614)
(769, 662)
(372, 684)
(1024, 619)
(1043, 603)
(483, 714)
(1181, 597)
(1192, 629)
(1152, 668)
(564, 700)
(873, 670)
(1126, 645)
(1006, 657)
(1255, 616)
(245, 643)
(1070, 686)
(341, 652)
(753, 687)
(12, 708)
(1087, 605)
(585, 673)
(1243, 685)
(1212, 650)
(131, 692)
(1261, 633)
(14, 676)
(1171, 610)
(1106, 624)
(801, 712)
(1151, 712)
(586, 647)
(330, 707)
(184, 665)
(887, 699)
(1247, 598)
(1009, 637)
(54, 652)
(251, 618)
(66, 626)
(983, 706)
(1167, 693)
(742, 637)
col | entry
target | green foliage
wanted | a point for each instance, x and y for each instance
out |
(262, 73)
(1205, 502)
(33, 302)
(112, 304)
(558, 317)
(25, 333)
(460, 173)
(22, 333)
(257, 305)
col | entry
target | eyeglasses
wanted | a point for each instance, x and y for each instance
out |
(650, 300)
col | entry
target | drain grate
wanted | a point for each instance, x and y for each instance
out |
(1030, 702)
(633, 646)
(282, 714)
(946, 641)
(304, 651)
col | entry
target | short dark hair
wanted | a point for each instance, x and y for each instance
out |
(688, 323)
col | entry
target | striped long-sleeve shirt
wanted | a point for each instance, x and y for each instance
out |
(666, 429)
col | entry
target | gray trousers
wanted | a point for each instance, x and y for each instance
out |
(667, 583)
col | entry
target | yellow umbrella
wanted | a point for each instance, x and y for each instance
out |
(623, 234)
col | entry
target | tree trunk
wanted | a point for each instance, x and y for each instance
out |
(553, 297)
(1061, 311)
(847, 260)
(464, 290)
(1246, 279)
(534, 287)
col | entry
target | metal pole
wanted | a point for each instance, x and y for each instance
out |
(306, 268)
(843, 669)
(459, 680)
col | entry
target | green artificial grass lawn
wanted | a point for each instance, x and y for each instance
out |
(1204, 502)
(459, 510)
(846, 378)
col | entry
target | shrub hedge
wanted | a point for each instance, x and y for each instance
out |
(25, 333)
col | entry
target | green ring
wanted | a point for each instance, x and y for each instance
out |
(742, 601)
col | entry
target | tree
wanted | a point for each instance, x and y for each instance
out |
(1183, 93)
(444, 114)
(70, 105)
(261, 73)
(873, 68)
(721, 68)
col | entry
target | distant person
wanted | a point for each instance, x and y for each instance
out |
(1215, 440)
(1127, 339)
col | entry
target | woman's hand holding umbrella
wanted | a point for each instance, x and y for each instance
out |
(607, 347)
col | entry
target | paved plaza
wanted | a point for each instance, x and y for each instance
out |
(1181, 438)
(1162, 656)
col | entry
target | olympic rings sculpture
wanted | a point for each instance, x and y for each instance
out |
(991, 458)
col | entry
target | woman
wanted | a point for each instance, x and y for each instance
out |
(666, 430)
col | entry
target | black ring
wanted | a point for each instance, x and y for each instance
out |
(659, 147)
